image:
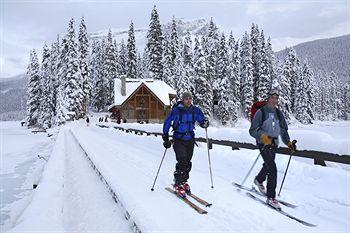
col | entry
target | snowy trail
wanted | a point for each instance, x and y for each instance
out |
(129, 162)
(71, 197)
(87, 205)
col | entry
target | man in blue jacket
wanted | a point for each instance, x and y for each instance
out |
(267, 125)
(183, 118)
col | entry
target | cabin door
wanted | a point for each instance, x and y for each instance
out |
(142, 108)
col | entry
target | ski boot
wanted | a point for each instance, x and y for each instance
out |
(260, 186)
(180, 191)
(273, 203)
(187, 188)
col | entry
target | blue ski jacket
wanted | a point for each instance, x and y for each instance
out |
(183, 121)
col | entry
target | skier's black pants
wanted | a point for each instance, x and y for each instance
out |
(184, 151)
(268, 170)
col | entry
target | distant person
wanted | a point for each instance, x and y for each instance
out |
(87, 121)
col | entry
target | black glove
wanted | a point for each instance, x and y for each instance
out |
(166, 143)
(205, 124)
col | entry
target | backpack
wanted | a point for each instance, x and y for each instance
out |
(258, 105)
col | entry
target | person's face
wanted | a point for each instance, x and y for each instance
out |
(187, 101)
(273, 101)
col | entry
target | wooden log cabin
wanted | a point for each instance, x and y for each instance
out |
(141, 100)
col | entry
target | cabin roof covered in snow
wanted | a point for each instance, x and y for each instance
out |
(158, 87)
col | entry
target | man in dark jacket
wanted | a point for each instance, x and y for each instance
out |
(267, 125)
(183, 118)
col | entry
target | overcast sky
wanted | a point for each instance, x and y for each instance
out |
(29, 24)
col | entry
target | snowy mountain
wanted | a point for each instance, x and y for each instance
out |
(196, 27)
(325, 55)
(13, 97)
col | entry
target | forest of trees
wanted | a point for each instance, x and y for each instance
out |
(225, 74)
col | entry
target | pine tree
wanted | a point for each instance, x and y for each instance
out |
(231, 42)
(204, 91)
(282, 84)
(61, 109)
(83, 48)
(74, 95)
(187, 59)
(224, 89)
(292, 72)
(47, 86)
(211, 53)
(155, 46)
(33, 90)
(169, 65)
(174, 40)
(233, 76)
(264, 78)
(122, 59)
(131, 54)
(54, 65)
(308, 77)
(256, 43)
(101, 91)
(332, 96)
(301, 98)
(246, 67)
(110, 68)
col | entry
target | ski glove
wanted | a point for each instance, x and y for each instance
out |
(166, 143)
(292, 147)
(205, 124)
(266, 140)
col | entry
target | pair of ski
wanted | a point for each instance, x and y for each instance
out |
(253, 190)
(190, 203)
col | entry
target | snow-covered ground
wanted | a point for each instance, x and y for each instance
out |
(70, 197)
(20, 167)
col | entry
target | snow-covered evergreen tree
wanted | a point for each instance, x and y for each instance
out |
(101, 92)
(174, 40)
(83, 49)
(233, 76)
(155, 46)
(169, 65)
(292, 71)
(74, 95)
(33, 90)
(204, 92)
(131, 53)
(301, 101)
(47, 86)
(264, 72)
(308, 77)
(211, 52)
(256, 43)
(187, 59)
(110, 68)
(122, 59)
(54, 65)
(247, 82)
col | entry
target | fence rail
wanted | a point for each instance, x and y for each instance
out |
(319, 157)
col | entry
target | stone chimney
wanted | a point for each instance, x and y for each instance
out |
(123, 86)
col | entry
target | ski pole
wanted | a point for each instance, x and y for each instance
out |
(152, 189)
(211, 175)
(285, 173)
(250, 170)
